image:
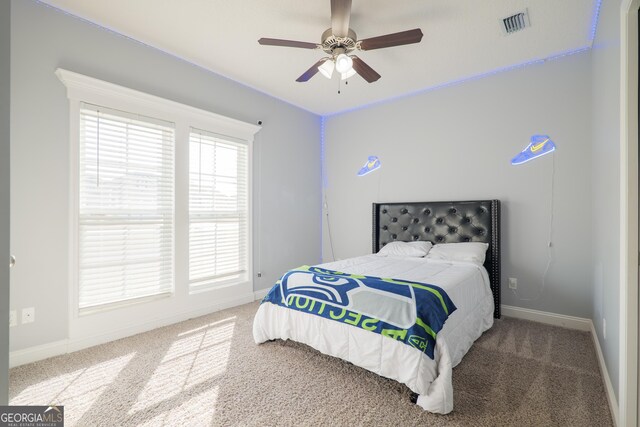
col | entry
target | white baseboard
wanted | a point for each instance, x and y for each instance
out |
(570, 322)
(38, 352)
(258, 295)
(57, 348)
(613, 402)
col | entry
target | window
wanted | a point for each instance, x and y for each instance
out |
(218, 210)
(160, 208)
(126, 206)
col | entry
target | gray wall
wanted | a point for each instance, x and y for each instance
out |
(5, 45)
(456, 144)
(43, 38)
(605, 181)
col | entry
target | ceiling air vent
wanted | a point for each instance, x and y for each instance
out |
(517, 22)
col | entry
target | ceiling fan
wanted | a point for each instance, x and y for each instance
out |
(340, 42)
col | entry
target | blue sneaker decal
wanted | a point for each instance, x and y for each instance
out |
(539, 146)
(372, 164)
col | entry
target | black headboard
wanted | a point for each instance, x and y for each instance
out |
(443, 222)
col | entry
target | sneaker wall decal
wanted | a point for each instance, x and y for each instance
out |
(372, 164)
(538, 146)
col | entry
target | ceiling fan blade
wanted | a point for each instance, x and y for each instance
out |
(390, 40)
(340, 16)
(287, 43)
(361, 67)
(311, 71)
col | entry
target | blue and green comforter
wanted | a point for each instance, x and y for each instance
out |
(410, 312)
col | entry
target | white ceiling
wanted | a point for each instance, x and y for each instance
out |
(462, 39)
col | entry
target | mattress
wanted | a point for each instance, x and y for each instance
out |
(466, 284)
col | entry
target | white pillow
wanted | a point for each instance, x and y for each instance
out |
(474, 252)
(408, 249)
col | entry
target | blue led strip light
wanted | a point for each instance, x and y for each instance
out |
(323, 171)
(463, 80)
(170, 54)
(594, 25)
(323, 189)
(594, 21)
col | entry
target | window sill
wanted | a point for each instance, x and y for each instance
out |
(122, 304)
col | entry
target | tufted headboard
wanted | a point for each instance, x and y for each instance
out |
(444, 222)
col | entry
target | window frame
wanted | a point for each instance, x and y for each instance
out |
(81, 88)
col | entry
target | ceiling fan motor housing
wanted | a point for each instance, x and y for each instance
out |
(335, 45)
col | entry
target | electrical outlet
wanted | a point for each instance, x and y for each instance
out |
(28, 315)
(513, 283)
(604, 328)
(13, 318)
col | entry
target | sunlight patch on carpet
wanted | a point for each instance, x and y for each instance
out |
(207, 326)
(77, 390)
(197, 411)
(191, 359)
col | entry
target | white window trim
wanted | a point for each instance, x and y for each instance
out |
(81, 88)
(94, 91)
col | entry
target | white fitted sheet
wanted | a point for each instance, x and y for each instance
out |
(466, 284)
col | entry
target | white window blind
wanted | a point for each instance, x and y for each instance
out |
(218, 210)
(126, 206)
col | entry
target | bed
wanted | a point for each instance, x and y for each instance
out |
(473, 288)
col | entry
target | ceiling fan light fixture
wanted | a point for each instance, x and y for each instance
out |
(344, 63)
(327, 68)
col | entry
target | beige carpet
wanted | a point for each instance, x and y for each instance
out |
(208, 371)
